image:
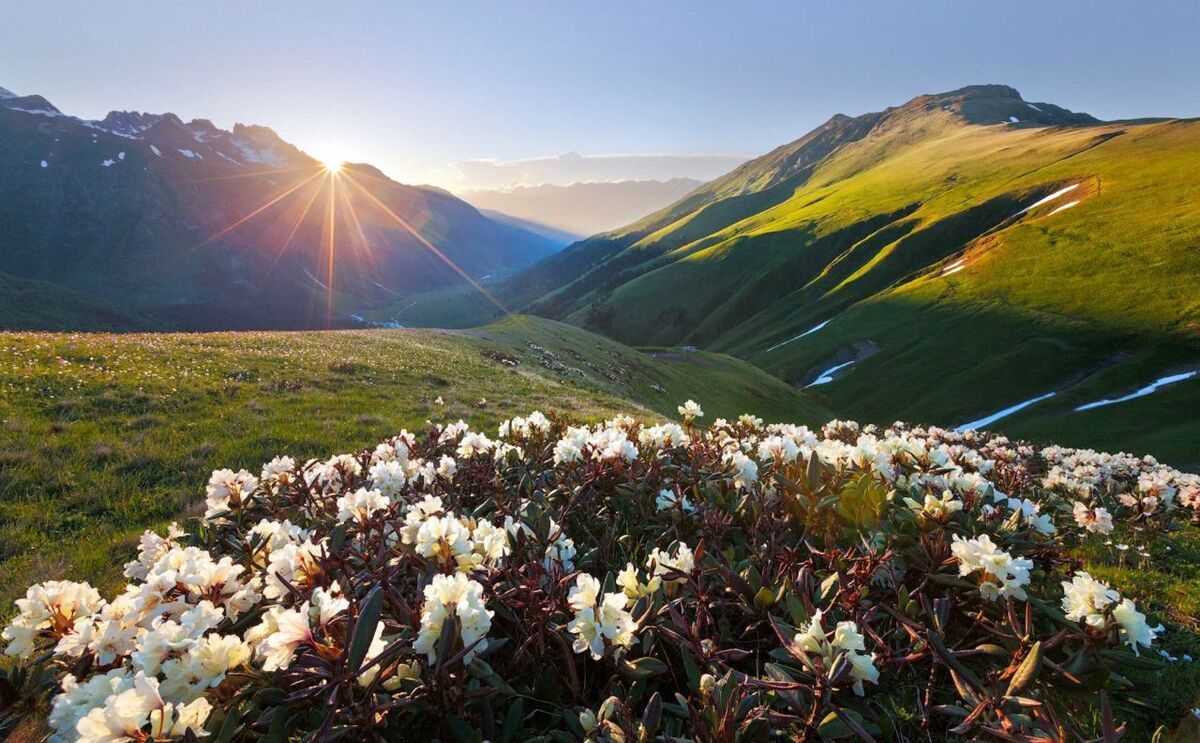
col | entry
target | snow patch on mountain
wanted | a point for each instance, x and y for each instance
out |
(1147, 390)
(1048, 199)
(990, 419)
(827, 376)
(1064, 207)
(811, 330)
(250, 154)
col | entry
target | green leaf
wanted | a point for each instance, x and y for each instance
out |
(463, 731)
(827, 589)
(652, 715)
(1027, 671)
(364, 629)
(641, 668)
(832, 726)
(814, 473)
(691, 669)
(513, 720)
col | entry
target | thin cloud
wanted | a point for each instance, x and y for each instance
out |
(572, 167)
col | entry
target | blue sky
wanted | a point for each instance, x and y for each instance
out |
(417, 87)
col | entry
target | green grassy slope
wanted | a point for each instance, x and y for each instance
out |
(860, 234)
(104, 435)
(654, 379)
(36, 305)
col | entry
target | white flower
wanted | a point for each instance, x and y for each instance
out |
(597, 618)
(1096, 520)
(78, 699)
(690, 411)
(140, 712)
(846, 640)
(453, 596)
(1003, 574)
(660, 563)
(388, 476)
(50, 610)
(442, 537)
(1087, 599)
(284, 631)
(664, 437)
(204, 666)
(228, 490)
(361, 504)
(473, 443)
(938, 509)
(151, 548)
(668, 500)
(1134, 630)
(1031, 515)
(634, 589)
(279, 471)
(570, 447)
(294, 564)
(561, 550)
(745, 470)
(447, 467)
(750, 421)
(778, 448)
(612, 443)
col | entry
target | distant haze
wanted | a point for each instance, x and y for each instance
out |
(572, 167)
(584, 209)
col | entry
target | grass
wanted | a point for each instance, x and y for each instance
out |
(106, 435)
(457, 306)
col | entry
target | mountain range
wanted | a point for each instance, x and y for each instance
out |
(960, 256)
(964, 258)
(146, 220)
(583, 209)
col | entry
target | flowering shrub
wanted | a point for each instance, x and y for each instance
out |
(619, 582)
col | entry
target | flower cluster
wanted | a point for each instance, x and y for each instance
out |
(619, 580)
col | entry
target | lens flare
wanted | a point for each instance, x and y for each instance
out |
(336, 194)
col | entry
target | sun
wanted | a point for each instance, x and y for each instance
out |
(332, 166)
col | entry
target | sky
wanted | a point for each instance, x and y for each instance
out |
(484, 94)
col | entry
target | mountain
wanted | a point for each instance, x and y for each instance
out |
(583, 209)
(560, 237)
(944, 260)
(197, 227)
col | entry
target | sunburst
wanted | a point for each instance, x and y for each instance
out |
(340, 188)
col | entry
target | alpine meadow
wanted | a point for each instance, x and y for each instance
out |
(375, 419)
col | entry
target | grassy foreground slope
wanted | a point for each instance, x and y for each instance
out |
(105, 435)
(950, 291)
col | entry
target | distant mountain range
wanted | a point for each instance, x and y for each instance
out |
(583, 209)
(182, 224)
(946, 260)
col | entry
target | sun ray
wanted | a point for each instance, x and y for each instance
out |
(316, 191)
(351, 215)
(420, 238)
(258, 211)
(255, 174)
(331, 227)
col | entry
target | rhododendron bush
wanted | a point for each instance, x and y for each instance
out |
(623, 582)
